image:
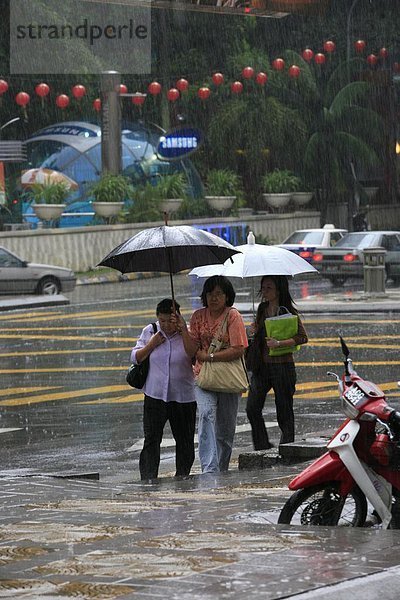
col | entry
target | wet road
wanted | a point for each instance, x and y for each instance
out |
(64, 395)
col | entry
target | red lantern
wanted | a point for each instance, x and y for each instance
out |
(22, 98)
(122, 88)
(329, 46)
(204, 93)
(182, 85)
(261, 78)
(383, 53)
(154, 88)
(308, 55)
(396, 67)
(360, 45)
(3, 87)
(42, 89)
(62, 101)
(237, 87)
(278, 64)
(320, 58)
(248, 73)
(138, 99)
(97, 104)
(218, 78)
(294, 71)
(78, 91)
(173, 94)
(372, 59)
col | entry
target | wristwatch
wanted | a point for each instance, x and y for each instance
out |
(211, 356)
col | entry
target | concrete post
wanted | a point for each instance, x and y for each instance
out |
(110, 123)
(374, 270)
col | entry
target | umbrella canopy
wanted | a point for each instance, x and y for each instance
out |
(46, 176)
(256, 260)
(168, 249)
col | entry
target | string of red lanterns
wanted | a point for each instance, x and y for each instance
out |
(42, 90)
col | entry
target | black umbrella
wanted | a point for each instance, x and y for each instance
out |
(168, 249)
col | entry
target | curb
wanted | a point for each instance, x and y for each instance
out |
(116, 278)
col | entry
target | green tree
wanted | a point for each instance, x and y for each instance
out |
(343, 129)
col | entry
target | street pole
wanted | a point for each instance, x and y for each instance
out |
(110, 123)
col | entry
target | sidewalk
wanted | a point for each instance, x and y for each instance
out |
(210, 537)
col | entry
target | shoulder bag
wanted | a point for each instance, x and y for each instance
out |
(137, 374)
(282, 327)
(228, 377)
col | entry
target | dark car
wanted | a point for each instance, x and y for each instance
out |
(346, 259)
(18, 276)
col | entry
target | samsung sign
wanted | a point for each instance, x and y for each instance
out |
(179, 143)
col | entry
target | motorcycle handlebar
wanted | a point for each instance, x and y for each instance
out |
(394, 423)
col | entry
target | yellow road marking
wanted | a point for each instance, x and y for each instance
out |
(132, 396)
(63, 370)
(27, 390)
(64, 395)
(59, 352)
(86, 338)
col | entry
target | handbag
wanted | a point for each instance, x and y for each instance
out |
(137, 374)
(253, 356)
(282, 327)
(227, 377)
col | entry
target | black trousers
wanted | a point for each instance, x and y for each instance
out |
(281, 377)
(182, 419)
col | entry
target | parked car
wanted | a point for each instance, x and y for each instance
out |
(304, 242)
(346, 259)
(18, 276)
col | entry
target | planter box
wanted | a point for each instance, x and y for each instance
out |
(220, 203)
(170, 205)
(301, 198)
(277, 200)
(48, 212)
(107, 209)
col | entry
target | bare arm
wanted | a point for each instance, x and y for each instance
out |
(189, 343)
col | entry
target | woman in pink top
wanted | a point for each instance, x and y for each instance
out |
(217, 410)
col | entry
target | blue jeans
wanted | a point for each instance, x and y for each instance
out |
(216, 428)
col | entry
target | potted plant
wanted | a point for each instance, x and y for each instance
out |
(171, 190)
(222, 188)
(300, 198)
(278, 186)
(49, 199)
(109, 193)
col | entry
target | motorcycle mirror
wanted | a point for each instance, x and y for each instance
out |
(345, 349)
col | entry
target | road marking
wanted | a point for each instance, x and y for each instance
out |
(128, 395)
(27, 390)
(8, 429)
(170, 442)
(63, 395)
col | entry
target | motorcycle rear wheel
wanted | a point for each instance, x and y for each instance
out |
(322, 505)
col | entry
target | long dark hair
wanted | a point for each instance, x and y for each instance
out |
(285, 298)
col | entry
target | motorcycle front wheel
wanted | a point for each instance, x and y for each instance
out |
(322, 505)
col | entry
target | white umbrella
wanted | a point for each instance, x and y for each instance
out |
(257, 260)
(45, 176)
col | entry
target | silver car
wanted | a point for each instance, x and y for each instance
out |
(346, 259)
(18, 276)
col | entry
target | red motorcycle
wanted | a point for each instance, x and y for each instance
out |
(361, 465)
